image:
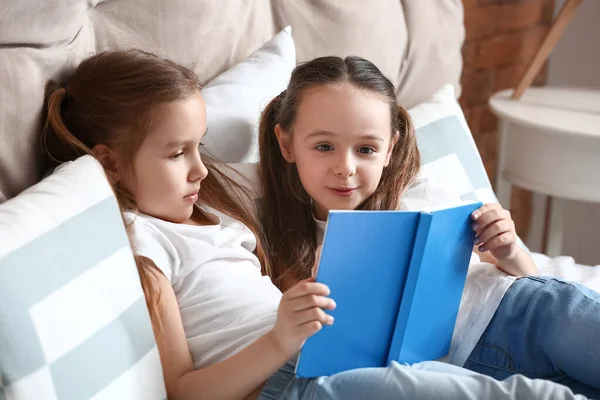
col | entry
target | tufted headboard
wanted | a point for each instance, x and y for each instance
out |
(416, 43)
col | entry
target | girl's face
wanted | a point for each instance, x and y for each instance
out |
(168, 169)
(341, 142)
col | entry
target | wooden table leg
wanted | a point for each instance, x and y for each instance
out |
(556, 31)
(503, 187)
(555, 227)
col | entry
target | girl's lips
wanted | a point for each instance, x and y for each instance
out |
(192, 198)
(343, 192)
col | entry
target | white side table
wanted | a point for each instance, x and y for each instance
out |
(549, 143)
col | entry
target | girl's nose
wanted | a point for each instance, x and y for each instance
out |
(198, 171)
(345, 167)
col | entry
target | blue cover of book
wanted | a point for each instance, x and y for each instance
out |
(397, 278)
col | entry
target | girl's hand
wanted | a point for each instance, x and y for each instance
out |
(495, 231)
(301, 315)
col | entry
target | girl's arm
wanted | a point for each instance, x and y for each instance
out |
(242, 374)
(496, 241)
(234, 378)
(520, 264)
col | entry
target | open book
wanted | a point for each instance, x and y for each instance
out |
(397, 278)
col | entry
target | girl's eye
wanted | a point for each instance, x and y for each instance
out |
(366, 150)
(324, 147)
(176, 155)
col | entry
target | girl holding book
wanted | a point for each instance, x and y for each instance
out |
(337, 139)
(223, 330)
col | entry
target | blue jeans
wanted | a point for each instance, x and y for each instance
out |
(544, 328)
(423, 381)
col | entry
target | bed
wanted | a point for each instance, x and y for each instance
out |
(243, 53)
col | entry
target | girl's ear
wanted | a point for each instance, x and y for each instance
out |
(393, 142)
(107, 157)
(285, 143)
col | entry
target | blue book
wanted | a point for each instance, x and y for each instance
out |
(397, 278)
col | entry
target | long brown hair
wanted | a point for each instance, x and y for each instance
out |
(109, 100)
(288, 223)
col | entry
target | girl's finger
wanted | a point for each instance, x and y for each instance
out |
(483, 209)
(488, 218)
(311, 300)
(310, 328)
(312, 314)
(493, 230)
(502, 240)
(305, 287)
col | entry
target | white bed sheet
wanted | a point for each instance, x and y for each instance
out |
(566, 268)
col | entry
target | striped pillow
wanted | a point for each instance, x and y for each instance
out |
(73, 320)
(449, 157)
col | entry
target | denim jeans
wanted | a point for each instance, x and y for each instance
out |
(544, 328)
(423, 381)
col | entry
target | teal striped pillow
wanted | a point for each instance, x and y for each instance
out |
(449, 157)
(74, 323)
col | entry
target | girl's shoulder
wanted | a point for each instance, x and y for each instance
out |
(142, 225)
(149, 239)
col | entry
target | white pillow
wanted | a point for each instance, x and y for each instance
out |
(235, 98)
(73, 319)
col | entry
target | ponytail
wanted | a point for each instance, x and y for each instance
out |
(58, 143)
(272, 163)
(286, 208)
(410, 163)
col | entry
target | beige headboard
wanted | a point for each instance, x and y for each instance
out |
(417, 43)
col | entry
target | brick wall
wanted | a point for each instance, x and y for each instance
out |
(501, 38)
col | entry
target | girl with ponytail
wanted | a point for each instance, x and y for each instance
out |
(109, 109)
(336, 139)
(387, 148)
(223, 330)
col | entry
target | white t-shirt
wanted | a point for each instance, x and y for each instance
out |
(485, 285)
(225, 302)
